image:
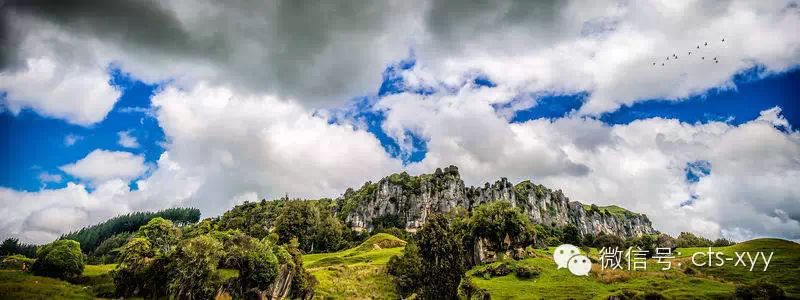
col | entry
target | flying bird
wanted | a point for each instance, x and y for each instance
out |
(723, 40)
(706, 44)
(690, 52)
(703, 57)
(662, 64)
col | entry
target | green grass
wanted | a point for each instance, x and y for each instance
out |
(20, 285)
(783, 271)
(358, 272)
(612, 210)
(98, 270)
(228, 273)
(555, 283)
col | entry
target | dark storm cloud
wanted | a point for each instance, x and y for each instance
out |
(311, 52)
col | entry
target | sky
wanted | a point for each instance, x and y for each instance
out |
(114, 107)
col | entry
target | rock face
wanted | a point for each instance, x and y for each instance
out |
(411, 199)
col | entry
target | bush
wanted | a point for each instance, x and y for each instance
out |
(524, 272)
(194, 268)
(760, 290)
(60, 259)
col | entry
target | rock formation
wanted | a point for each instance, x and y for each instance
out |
(411, 199)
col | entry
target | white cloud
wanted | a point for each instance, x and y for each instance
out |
(640, 166)
(127, 140)
(45, 177)
(71, 139)
(102, 165)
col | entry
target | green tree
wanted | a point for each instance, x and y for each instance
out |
(603, 240)
(141, 271)
(60, 259)
(12, 246)
(687, 239)
(572, 235)
(498, 220)
(161, 233)
(328, 234)
(298, 219)
(194, 268)
(406, 269)
(441, 247)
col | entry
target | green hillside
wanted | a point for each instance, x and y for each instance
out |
(358, 272)
(783, 271)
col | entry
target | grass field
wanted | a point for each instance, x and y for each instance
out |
(16, 284)
(783, 271)
(356, 273)
(360, 273)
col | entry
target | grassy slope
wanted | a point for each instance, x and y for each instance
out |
(356, 273)
(784, 268)
(708, 283)
(15, 284)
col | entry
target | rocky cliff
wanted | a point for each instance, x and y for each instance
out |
(411, 199)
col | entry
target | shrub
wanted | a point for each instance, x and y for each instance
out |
(527, 272)
(761, 290)
(60, 259)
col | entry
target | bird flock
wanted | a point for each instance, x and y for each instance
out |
(696, 50)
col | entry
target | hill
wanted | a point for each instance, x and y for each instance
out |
(358, 272)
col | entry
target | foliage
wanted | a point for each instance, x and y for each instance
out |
(11, 246)
(161, 233)
(144, 260)
(603, 240)
(647, 242)
(108, 250)
(253, 218)
(572, 235)
(353, 199)
(59, 259)
(442, 250)
(91, 237)
(722, 242)
(687, 239)
(497, 220)
(388, 221)
(406, 270)
(194, 268)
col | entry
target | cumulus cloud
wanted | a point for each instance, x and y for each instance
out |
(127, 140)
(640, 166)
(223, 148)
(103, 165)
(244, 80)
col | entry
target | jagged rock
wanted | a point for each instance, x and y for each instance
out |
(414, 198)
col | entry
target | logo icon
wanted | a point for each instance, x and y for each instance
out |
(570, 257)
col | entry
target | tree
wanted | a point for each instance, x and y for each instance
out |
(687, 239)
(442, 251)
(142, 271)
(194, 268)
(161, 233)
(91, 237)
(328, 234)
(298, 219)
(12, 246)
(603, 240)
(572, 235)
(255, 260)
(60, 259)
(144, 260)
(497, 220)
(406, 270)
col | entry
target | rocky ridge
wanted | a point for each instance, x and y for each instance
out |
(411, 199)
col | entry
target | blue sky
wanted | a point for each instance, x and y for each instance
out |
(34, 144)
(231, 106)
